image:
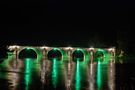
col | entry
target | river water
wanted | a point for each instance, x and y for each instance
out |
(30, 74)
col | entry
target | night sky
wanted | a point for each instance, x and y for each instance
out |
(68, 23)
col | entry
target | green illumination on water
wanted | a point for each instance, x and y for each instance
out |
(54, 73)
(27, 81)
(99, 81)
(27, 65)
(27, 75)
(77, 76)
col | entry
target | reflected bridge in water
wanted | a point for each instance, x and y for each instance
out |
(73, 68)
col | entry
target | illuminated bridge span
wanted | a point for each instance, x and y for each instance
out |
(94, 66)
(63, 53)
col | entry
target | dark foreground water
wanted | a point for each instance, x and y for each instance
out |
(53, 74)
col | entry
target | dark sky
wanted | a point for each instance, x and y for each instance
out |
(67, 22)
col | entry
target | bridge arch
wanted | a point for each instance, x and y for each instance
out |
(57, 53)
(30, 52)
(101, 55)
(81, 54)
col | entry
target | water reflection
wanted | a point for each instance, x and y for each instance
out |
(111, 76)
(27, 80)
(43, 73)
(56, 74)
(27, 75)
(99, 81)
(77, 76)
(13, 80)
(91, 77)
(69, 76)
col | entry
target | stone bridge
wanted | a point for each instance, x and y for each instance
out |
(66, 52)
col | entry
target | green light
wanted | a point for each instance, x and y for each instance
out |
(27, 65)
(64, 54)
(99, 81)
(54, 73)
(6, 63)
(77, 77)
(27, 72)
(106, 56)
(85, 53)
(78, 49)
(38, 52)
(28, 48)
(55, 49)
(27, 81)
(100, 50)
